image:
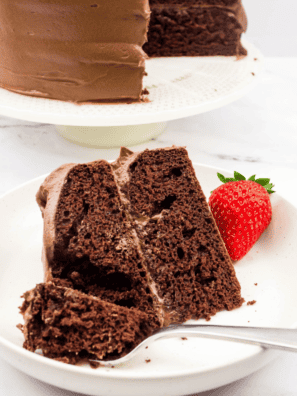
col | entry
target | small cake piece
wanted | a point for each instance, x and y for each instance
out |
(183, 250)
(89, 244)
(70, 326)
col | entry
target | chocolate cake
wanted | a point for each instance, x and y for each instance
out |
(136, 234)
(196, 28)
(86, 50)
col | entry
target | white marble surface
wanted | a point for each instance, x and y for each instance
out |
(257, 134)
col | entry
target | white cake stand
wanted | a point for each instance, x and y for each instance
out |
(179, 87)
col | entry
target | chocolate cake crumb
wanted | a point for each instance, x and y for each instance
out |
(147, 360)
(146, 347)
(94, 365)
(256, 284)
(184, 338)
(251, 302)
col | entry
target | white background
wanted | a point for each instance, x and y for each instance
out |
(272, 26)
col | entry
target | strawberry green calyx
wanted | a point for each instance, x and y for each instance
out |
(264, 182)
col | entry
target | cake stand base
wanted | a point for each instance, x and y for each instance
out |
(111, 136)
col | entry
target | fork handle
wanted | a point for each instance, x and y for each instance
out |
(284, 339)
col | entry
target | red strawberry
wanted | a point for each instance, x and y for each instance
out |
(242, 211)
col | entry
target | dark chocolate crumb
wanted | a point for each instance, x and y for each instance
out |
(145, 91)
(94, 365)
(251, 302)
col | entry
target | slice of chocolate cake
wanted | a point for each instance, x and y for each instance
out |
(70, 326)
(89, 244)
(135, 238)
(183, 250)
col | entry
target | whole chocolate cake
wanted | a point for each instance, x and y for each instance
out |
(135, 237)
(91, 50)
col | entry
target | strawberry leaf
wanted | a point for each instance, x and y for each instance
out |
(262, 181)
(269, 187)
(221, 177)
(238, 176)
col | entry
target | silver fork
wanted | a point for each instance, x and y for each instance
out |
(284, 339)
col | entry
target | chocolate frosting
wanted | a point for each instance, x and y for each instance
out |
(73, 50)
(47, 198)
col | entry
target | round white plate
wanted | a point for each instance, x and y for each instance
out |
(176, 367)
(179, 87)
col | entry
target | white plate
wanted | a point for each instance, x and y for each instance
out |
(179, 87)
(177, 367)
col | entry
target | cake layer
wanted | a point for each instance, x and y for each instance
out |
(75, 50)
(89, 244)
(181, 244)
(70, 326)
(191, 30)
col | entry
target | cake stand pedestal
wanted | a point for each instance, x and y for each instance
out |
(111, 136)
(179, 87)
